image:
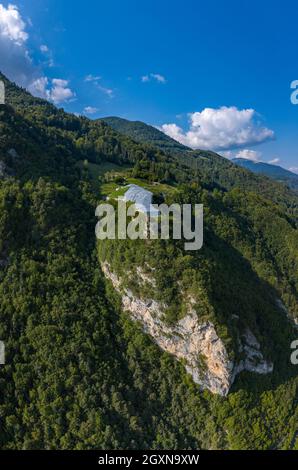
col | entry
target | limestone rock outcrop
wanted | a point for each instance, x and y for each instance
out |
(197, 344)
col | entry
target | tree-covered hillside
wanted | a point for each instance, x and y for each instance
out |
(143, 133)
(273, 171)
(79, 374)
(214, 169)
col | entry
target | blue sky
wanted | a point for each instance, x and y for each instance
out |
(213, 74)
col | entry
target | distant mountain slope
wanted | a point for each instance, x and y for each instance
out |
(214, 169)
(142, 132)
(273, 171)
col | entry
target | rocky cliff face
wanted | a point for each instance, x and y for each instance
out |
(2, 169)
(197, 344)
(292, 319)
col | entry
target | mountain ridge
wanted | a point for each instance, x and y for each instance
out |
(141, 132)
(80, 372)
(274, 171)
(213, 167)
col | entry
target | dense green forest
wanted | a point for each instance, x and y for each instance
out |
(211, 168)
(272, 170)
(144, 133)
(79, 374)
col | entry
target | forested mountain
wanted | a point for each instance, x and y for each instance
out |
(141, 132)
(213, 168)
(273, 171)
(80, 371)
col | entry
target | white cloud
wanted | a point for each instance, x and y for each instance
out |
(274, 161)
(294, 169)
(227, 154)
(220, 129)
(39, 87)
(60, 91)
(153, 76)
(96, 80)
(12, 26)
(92, 78)
(158, 77)
(44, 49)
(15, 59)
(90, 110)
(17, 64)
(56, 90)
(107, 91)
(249, 155)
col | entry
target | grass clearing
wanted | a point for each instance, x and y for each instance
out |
(100, 169)
(113, 190)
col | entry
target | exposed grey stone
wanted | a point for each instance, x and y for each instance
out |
(291, 318)
(13, 153)
(197, 344)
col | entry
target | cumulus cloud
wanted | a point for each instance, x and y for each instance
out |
(38, 87)
(153, 76)
(17, 64)
(294, 169)
(60, 91)
(90, 110)
(56, 90)
(227, 154)
(220, 129)
(274, 161)
(44, 49)
(15, 59)
(249, 155)
(12, 26)
(246, 154)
